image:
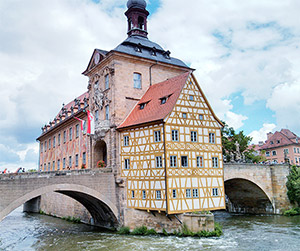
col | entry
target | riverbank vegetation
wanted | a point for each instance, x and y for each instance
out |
(184, 232)
(293, 186)
(67, 218)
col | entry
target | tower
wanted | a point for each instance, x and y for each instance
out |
(137, 18)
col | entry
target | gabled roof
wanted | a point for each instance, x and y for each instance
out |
(283, 138)
(154, 110)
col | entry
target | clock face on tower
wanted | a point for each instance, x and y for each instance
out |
(97, 58)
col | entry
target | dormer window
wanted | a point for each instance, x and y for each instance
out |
(142, 106)
(167, 54)
(153, 51)
(278, 141)
(271, 142)
(163, 100)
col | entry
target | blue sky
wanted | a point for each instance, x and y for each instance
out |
(246, 55)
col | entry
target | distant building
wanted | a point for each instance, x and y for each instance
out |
(281, 147)
(153, 126)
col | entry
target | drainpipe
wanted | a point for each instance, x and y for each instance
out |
(150, 72)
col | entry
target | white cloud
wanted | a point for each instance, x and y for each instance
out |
(261, 134)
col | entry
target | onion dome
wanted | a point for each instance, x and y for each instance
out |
(137, 4)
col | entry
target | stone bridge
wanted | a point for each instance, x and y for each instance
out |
(95, 189)
(252, 188)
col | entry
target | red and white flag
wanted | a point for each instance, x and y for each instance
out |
(81, 123)
(90, 125)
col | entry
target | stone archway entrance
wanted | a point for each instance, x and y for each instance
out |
(100, 152)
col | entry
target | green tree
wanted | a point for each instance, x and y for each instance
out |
(293, 185)
(238, 144)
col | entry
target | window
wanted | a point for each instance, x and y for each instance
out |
(211, 138)
(163, 100)
(175, 135)
(45, 146)
(286, 151)
(173, 161)
(58, 164)
(126, 140)
(195, 193)
(41, 147)
(58, 139)
(96, 115)
(188, 193)
(144, 194)
(84, 158)
(199, 161)
(215, 162)
(267, 154)
(106, 112)
(157, 136)
(53, 165)
(274, 153)
(158, 194)
(298, 150)
(200, 116)
(70, 161)
(191, 97)
(45, 167)
(48, 166)
(54, 139)
(96, 84)
(271, 142)
(184, 115)
(127, 164)
(106, 81)
(184, 161)
(137, 80)
(142, 106)
(158, 161)
(174, 193)
(132, 194)
(296, 160)
(295, 151)
(64, 163)
(193, 136)
(76, 160)
(49, 146)
(215, 192)
(65, 136)
(77, 130)
(70, 134)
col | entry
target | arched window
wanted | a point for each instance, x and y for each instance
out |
(141, 22)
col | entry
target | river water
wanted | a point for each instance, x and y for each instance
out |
(22, 231)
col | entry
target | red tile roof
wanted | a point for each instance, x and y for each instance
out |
(283, 138)
(154, 110)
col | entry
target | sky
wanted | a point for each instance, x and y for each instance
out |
(245, 54)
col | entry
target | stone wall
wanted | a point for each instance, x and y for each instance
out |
(159, 221)
(63, 206)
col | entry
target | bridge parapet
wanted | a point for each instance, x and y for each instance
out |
(31, 175)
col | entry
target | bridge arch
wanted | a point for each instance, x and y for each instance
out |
(246, 196)
(103, 211)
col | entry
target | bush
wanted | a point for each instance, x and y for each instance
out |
(124, 230)
(292, 212)
(165, 232)
(140, 230)
(151, 232)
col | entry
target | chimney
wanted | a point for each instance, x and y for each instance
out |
(269, 135)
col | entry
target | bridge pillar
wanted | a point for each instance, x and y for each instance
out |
(33, 205)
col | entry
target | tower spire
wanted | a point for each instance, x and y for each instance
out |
(137, 18)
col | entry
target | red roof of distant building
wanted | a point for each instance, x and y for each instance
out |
(282, 138)
(153, 109)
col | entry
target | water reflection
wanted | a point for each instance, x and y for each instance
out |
(20, 231)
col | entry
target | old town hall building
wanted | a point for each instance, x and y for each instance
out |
(153, 126)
